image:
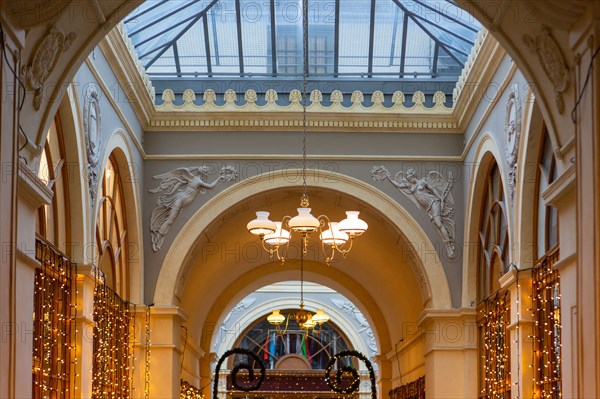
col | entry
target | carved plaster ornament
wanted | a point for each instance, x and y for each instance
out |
(337, 97)
(357, 315)
(430, 194)
(178, 188)
(243, 305)
(316, 97)
(553, 62)
(512, 129)
(26, 14)
(44, 61)
(92, 131)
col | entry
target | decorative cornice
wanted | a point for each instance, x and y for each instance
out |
(32, 189)
(118, 49)
(235, 112)
(358, 106)
(293, 121)
(462, 80)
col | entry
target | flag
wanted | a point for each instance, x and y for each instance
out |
(272, 346)
(266, 348)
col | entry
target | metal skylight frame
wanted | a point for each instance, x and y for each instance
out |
(408, 24)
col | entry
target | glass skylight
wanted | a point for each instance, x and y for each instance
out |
(347, 38)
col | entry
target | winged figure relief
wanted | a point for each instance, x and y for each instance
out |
(177, 189)
(431, 194)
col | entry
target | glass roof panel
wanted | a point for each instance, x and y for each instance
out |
(199, 39)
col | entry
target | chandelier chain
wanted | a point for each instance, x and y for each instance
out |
(304, 92)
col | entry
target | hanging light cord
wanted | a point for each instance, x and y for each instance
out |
(301, 279)
(304, 94)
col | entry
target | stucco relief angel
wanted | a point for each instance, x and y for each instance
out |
(431, 194)
(178, 188)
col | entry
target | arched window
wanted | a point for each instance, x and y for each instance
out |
(493, 310)
(274, 347)
(111, 230)
(493, 235)
(546, 284)
(54, 311)
(113, 322)
(52, 218)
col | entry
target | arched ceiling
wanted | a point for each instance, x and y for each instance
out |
(227, 264)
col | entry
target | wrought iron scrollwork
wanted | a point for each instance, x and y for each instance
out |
(335, 381)
(235, 371)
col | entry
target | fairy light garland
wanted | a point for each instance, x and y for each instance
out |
(54, 350)
(412, 390)
(351, 386)
(112, 353)
(236, 370)
(147, 355)
(188, 391)
(495, 348)
(547, 346)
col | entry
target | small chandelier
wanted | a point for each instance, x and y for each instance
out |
(305, 319)
(334, 237)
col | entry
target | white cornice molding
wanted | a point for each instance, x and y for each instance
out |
(477, 76)
(119, 52)
(564, 185)
(237, 113)
(32, 189)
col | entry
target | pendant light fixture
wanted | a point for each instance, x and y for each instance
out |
(334, 237)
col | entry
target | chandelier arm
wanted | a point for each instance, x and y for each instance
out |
(328, 257)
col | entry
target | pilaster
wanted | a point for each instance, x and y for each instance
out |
(450, 352)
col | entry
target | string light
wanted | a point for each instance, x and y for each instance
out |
(188, 391)
(547, 346)
(344, 371)
(412, 390)
(495, 348)
(54, 321)
(112, 352)
(147, 356)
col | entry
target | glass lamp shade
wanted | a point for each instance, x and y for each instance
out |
(320, 317)
(333, 235)
(304, 221)
(352, 225)
(308, 324)
(261, 225)
(276, 318)
(280, 237)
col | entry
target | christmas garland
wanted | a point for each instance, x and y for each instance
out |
(334, 382)
(236, 370)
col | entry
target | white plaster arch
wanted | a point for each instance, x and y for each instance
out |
(527, 181)
(438, 289)
(118, 144)
(487, 151)
(262, 310)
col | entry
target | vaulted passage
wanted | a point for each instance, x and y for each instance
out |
(299, 199)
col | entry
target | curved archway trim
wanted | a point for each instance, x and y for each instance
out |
(431, 270)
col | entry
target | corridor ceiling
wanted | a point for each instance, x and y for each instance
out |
(356, 41)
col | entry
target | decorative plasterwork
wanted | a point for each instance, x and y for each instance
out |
(357, 315)
(92, 131)
(553, 62)
(120, 28)
(27, 14)
(512, 131)
(241, 111)
(44, 61)
(462, 79)
(430, 194)
(177, 189)
(315, 105)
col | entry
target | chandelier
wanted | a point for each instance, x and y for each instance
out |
(305, 319)
(334, 237)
